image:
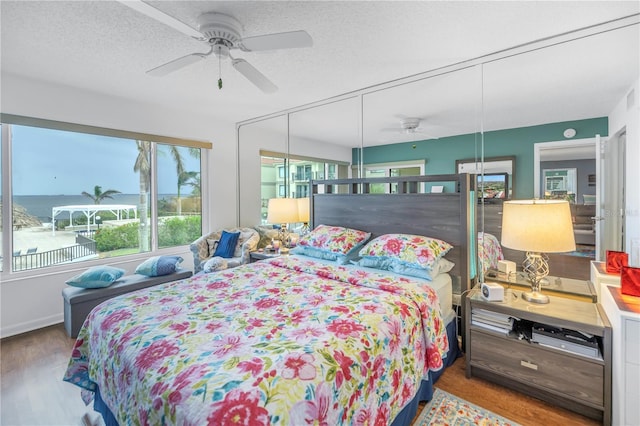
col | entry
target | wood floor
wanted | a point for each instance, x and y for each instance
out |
(33, 393)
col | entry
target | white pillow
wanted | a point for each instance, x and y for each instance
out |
(214, 264)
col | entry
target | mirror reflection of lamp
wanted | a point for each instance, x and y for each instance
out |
(282, 211)
(537, 227)
(303, 214)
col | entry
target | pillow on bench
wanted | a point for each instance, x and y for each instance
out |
(78, 302)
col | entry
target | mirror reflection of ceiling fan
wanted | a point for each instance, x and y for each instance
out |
(410, 128)
(222, 33)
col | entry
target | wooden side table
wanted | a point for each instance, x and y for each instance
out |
(560, 376)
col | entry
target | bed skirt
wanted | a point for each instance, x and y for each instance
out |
(405, 417)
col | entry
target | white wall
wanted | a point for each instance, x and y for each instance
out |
(31, 300)
(626, 117)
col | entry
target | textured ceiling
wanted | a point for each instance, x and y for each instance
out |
(104, 46)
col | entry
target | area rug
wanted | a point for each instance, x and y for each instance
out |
(447, 409)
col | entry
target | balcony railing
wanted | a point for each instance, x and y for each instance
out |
(84, 247)
(301, 176)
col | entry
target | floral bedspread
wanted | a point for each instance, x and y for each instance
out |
(285, 341)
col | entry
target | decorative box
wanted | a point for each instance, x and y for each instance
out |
(630, 281)
(616, 260)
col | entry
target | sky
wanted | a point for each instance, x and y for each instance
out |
(52, 162)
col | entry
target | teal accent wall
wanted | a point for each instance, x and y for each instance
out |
(441, 154)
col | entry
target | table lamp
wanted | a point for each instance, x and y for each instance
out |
(537, 227)
(303, 214)
(283, 211)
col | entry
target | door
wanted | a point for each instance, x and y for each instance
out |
(610, 166)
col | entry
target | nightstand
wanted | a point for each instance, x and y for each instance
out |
(564, 377)
(254, 256)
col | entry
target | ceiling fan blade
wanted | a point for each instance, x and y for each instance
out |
(161, 17)
(176, 64)
(254, 76)
(286, 40)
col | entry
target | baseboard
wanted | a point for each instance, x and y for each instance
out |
(24, 327)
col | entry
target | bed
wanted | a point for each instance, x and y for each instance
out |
(292, 340)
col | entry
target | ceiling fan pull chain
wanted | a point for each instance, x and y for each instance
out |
(219, 73)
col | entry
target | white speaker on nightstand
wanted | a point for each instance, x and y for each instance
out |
(506, 267)
(493, 292)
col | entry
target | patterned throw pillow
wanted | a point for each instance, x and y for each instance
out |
(332, 243)
(157, 266)
(227, 245)
(96, 277)
(415, 251)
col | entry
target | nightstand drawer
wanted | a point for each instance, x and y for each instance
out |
(539, 367)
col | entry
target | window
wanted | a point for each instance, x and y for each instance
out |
(560, 184)
(331, 171)
(82, 195)
(382, 170)
(294, 184)
(179, 203)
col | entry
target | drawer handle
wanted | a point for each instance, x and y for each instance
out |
(528, 364)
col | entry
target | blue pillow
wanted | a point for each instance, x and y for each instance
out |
(159, 265)
(227, 244)
(441, 266)
(340, 259)
(96, 277)
(374, 262)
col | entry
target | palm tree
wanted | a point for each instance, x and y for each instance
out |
(98, 195)
(191, 179)
(143, 167)
(177, 159)
(184, 177)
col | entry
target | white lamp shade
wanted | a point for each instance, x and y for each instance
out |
(542, 226)
(282, 210)
(303, 209)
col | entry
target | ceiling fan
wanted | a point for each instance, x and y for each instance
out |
(223, 34)
(410, 126)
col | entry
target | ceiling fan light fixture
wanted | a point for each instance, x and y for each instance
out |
(221, 50)
(409, 125)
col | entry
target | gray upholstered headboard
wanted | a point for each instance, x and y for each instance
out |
(449, 216)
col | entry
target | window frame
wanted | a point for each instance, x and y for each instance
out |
(6, 122)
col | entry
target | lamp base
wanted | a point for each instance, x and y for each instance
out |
(535, 297)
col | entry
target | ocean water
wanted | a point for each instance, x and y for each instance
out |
(40, 205)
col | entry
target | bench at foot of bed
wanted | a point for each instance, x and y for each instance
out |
(78, 302)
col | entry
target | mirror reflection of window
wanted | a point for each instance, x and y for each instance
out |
(560, 184)
(381, 170)
(495, 176)
(276, 184)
